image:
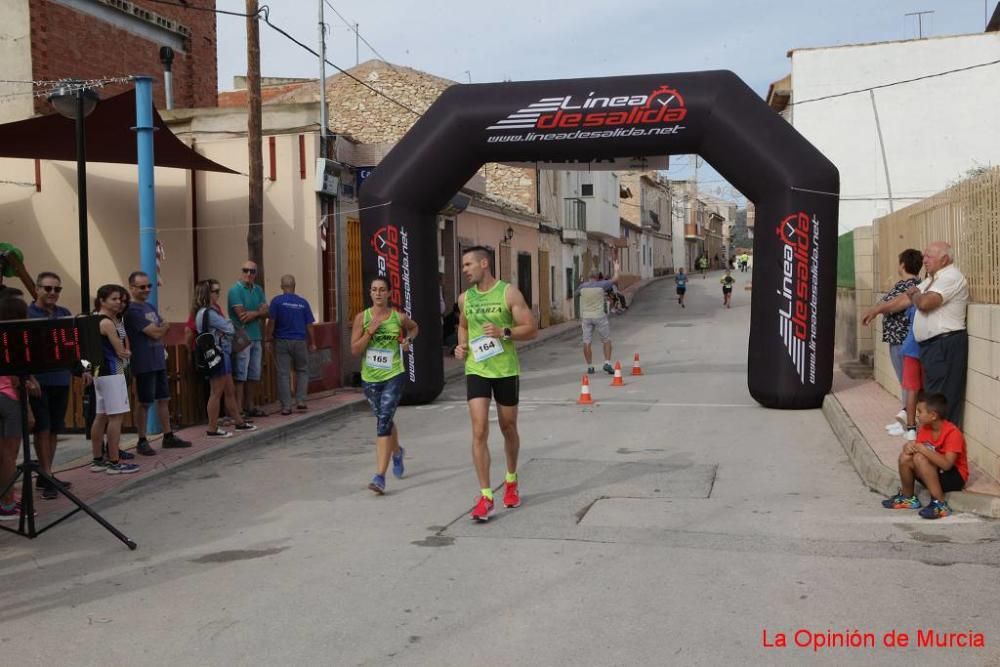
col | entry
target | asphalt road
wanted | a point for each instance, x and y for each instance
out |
(676, 522)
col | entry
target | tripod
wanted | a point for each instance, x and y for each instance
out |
(26, 522)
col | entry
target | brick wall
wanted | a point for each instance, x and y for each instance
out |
(69, 44)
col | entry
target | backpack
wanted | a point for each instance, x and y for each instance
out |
(207, 354)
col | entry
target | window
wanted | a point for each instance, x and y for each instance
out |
(586, 189)
(569, 283)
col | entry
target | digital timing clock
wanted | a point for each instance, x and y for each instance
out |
(42, 345)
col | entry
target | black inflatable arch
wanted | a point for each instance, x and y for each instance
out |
(714, 114)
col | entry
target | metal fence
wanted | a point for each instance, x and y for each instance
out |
(966, 215)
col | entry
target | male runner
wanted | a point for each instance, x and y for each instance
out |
(493, 315)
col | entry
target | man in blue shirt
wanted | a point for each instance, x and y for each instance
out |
(247, 309)
(146, 329)
(289, 326)
(49, 408)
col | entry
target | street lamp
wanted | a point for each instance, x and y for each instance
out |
(73, 100)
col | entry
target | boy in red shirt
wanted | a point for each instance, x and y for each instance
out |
(937, 458)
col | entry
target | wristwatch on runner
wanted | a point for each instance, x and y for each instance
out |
(507, 333)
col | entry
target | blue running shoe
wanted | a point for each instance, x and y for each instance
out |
(377, 485)
(938, 509)
(890, 503)
(397, 464)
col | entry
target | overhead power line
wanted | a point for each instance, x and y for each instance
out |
(353, 29)
(895, 83)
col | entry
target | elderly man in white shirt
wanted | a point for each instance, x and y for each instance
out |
(939, 327)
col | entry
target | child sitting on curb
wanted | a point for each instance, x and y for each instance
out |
(937, 458)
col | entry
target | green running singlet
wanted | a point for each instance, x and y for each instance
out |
(489, 357)
(383, 358)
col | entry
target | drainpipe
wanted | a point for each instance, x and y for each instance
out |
(167, 58)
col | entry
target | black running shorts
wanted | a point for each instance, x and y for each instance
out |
(505, 391)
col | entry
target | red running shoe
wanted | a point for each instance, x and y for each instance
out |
(510, 497)
(483, 510)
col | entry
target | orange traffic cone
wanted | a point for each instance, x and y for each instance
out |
(585, 398)
(636, 369)
(618, 382)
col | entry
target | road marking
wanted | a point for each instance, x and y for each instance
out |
(447, 405)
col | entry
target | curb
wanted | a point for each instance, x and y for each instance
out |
(882, 479)
(246, 442)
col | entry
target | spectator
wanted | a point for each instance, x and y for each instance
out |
(895, 322)
(449, 329)
(593, 317)
(111, 387)
(49, 407)
(247, 307)
(208, 319)
(146, 329)
(290, 323)
(938, 459)
(12, 307)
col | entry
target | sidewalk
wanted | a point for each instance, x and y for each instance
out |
(92, 487)
(858, 411)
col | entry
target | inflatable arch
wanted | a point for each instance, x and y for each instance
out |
(714, 114)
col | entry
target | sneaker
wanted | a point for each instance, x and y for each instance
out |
(49, 493)
(936, 510)
(245, 426)
(171, 441)
(41, 483)
(98, 465)
(511, 499)
(901, 417)
(121, 468)
(144, 448)
(301, 407)
(483, 509)
(377, 485)
(126, 455)
(590, 370)
(397, 464)
(910, 435)
(12, 513)
(901, 502)
(608, 368)
(219, 433)
(895, 429)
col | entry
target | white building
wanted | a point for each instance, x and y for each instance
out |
(896, 140)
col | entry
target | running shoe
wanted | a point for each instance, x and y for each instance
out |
(608, 368)
(377, 485)
(901, 502)
(590, 370)
(397, 464)
(910, 435)
(43, 483)
(895, 429)
(936, 510)
(49, 493)
(125, 455)
(219, 433)
(121, 468)
(98, 465)
(483, 509)
(245, 426)
(901, 417)
(511, 499)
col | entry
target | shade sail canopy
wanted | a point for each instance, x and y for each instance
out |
(110, 138)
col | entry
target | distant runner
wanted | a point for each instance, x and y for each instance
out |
(727, 288)
(681, 279)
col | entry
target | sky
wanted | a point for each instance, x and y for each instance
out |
(524, 40)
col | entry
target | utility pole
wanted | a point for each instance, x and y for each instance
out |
(357, 46)
(255, 230)
(322, 83)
